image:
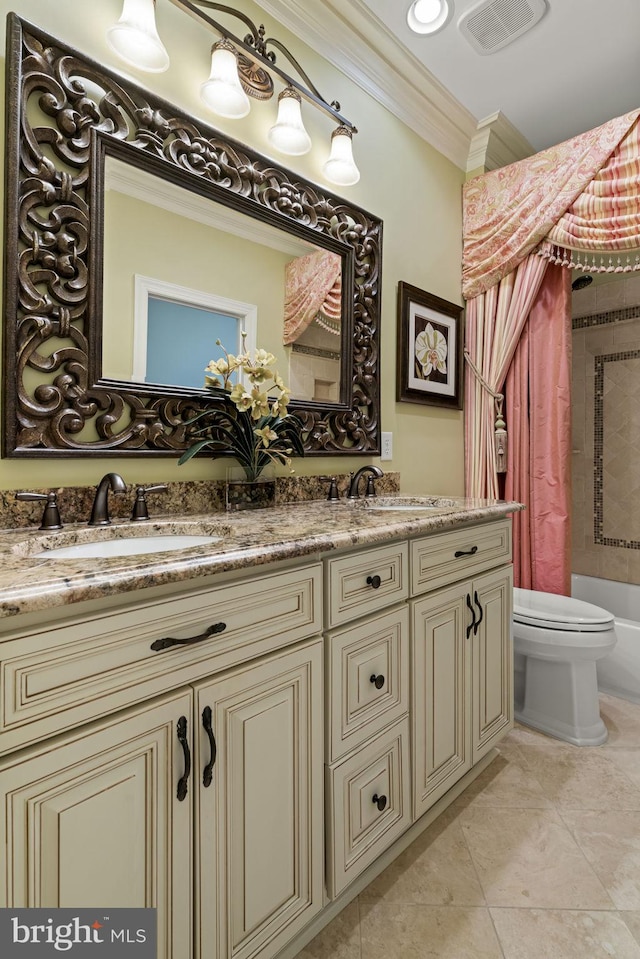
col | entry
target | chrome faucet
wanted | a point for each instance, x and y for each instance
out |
(100, 511)
(355, 481)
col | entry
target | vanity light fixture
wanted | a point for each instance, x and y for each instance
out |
(340, 168)
(288, 133)
(429, 16)
(223, 92)
(135, 37)
(241, 68)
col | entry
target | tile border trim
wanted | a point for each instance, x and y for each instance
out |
(598, 449)
(611, 316)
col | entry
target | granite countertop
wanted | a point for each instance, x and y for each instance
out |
(248, 539)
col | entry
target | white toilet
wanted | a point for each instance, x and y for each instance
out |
(557, 641)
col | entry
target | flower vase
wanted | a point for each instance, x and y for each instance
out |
(241, 493)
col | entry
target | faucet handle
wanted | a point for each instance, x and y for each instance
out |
(140, 511)
(51, 515)
(333, 489)
(371, 487)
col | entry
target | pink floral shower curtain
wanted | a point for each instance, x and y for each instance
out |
(580, 197)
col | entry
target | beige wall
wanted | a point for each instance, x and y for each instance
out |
(414, 189)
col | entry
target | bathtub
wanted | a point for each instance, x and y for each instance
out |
(619, 672)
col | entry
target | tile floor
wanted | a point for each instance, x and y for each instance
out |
(538, 859)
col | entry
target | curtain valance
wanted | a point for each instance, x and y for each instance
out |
(313, 291)
(582, 194)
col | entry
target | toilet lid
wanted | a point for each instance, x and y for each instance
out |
(558, 612)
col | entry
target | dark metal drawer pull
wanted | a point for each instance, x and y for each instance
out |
(378, 681)
(473, 614)
(169, 641)
(182, 739)
(207, 774)
(479, 605)
(466, 552)
(374, 581)
(379, 801)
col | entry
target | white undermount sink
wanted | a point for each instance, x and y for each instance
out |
(120, 539)
(127, 546)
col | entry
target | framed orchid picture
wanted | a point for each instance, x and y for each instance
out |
(430, 341)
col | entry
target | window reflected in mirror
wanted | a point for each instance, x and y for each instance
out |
(173, 336)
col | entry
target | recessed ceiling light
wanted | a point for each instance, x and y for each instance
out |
(429, 16)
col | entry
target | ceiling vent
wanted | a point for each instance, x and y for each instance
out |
(492, 24)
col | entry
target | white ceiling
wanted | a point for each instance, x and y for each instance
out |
(577, 68)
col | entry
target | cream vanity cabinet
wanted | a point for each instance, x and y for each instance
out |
(368, 798)
(171, 750)
(419, 682)
(190, 777)
(462, 660)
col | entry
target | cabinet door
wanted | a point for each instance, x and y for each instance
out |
(492, 659)
(259, 855)
(94, 821)
(368, 804)
(441, 667)
(367, 680)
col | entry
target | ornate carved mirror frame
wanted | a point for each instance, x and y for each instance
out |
(56, 401)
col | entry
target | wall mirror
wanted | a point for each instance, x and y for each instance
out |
(116, 198)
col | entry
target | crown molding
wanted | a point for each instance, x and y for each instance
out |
(497, 143)
(350, 36)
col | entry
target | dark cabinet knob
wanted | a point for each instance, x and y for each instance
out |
(378, 681)
(379, 801)
(374, 582)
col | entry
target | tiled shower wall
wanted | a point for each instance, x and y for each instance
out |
(606, 430)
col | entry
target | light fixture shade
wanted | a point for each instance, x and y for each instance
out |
(340, 168)
(429, 16)
(135, 37)
(288, 134)
(222, 92)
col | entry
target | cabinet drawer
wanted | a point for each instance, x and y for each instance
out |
(447, 557)
(57, 678)
(367, 680)
(364, 582)
(358, 831)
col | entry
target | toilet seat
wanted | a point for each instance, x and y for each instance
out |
(552, 611)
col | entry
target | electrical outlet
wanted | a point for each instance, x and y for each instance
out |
(386, 449)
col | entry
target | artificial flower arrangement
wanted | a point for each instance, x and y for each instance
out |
(254, 426)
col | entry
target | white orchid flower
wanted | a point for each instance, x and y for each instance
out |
(431, 350)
